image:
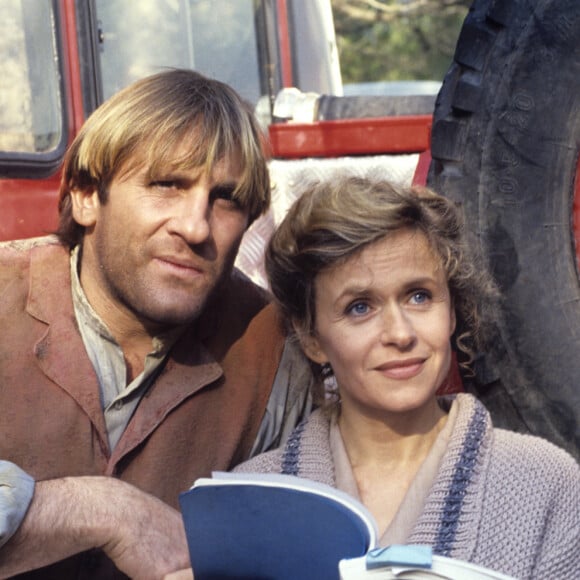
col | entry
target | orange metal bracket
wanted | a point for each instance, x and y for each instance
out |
(368, 136)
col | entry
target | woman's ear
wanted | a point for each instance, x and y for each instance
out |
(453, 318)
(85, 206)
(310, 345)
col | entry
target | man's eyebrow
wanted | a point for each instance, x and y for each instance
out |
(226, 183)
(157, 170)
(228, 186)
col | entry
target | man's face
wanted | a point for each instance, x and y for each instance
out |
(156, 250)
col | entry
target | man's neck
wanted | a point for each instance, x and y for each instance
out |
(132, 336)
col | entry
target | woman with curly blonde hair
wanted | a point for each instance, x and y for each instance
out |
(379, 285)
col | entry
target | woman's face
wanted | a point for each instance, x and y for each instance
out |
(384, 321)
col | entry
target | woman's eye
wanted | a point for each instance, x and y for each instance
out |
(420, 297)
(358, 309)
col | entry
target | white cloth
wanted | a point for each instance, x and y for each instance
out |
(16, 491)
(289, 177)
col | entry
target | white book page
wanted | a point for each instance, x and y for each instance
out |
(442, 569)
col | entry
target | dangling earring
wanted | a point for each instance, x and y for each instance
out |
(326, 370)
(330, 385)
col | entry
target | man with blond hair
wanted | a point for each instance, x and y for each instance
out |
(131, 347)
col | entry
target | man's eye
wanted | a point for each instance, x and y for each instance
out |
(225, 194)
(164, 183)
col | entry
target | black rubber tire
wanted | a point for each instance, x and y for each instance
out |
(505, 143)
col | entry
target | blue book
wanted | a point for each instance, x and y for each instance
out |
(272, 527)
(280, 527)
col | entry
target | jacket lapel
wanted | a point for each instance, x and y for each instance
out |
(59, 351)
(175, 384)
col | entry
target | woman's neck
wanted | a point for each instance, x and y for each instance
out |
(391, 440)
(385, 456)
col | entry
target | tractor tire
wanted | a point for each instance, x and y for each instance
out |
(505, 144)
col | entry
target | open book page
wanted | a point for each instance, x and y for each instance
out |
(441, 568)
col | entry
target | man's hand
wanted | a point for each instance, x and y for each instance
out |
(150, 539)
(141, 534)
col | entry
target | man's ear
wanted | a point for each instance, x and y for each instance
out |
(311, 346)
(85, 206)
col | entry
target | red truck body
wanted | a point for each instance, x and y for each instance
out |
(29, 182)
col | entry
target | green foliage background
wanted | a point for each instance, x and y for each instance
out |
(392, 40)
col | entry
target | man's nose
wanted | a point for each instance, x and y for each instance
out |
(192, 217)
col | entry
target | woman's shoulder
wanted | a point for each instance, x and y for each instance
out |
(534, 458)
(308, 441)
(510, 450)
(268, 462)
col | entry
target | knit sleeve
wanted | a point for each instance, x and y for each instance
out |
(532, 526)
(559, 555)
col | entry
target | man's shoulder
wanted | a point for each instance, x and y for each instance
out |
(17, 255)
(20, 251)
(242, 286)
(238, 314)
(242, 300)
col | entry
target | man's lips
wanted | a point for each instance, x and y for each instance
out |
(180, 266)
(402, 369)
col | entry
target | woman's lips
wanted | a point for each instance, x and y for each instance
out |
(401, 370)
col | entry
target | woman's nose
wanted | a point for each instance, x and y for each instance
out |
(398, 328)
